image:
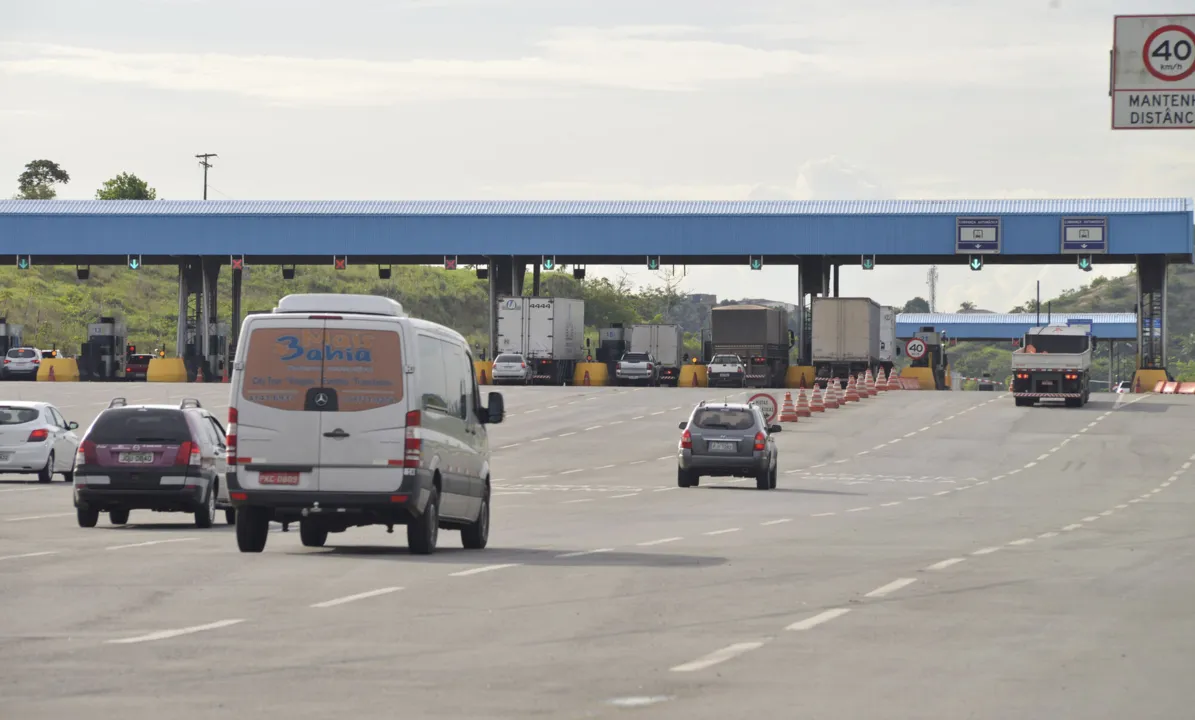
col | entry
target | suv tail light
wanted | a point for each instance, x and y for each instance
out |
(618, 366)
(686, 441)
(230, 438)
(39, 435)
(650, 366)
(760, 439)
(524, 365)
(37, 361)
(413, 452)
(86, 454)
(188, 454)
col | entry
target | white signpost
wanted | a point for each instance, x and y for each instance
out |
(1153, 72)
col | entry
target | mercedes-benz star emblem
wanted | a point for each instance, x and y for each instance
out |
(321, 399)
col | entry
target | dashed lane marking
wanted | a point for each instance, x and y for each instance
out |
(721, 532)
(661, 541)
(781, 521)
(574, 502)
(859, 509)
(819, 619)
(585, 552)
(151, 542)
(945, 563)
(718, 656)
(626, 495)
(825, 514)
(167, 634)
(482, 569)
(891, 587)
(574, 470)
(353, 598)
(1072, 526)
(29, 555)
(986, 551)
(38, 517)
(1022, 541)
(1047, 535)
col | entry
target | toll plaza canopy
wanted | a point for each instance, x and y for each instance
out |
(1009, 326)
(784, 232)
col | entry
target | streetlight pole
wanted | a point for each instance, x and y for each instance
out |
(203, 160)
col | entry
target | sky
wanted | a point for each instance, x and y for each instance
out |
(595, 99)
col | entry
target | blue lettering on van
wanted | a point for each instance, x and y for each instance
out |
(295, 350)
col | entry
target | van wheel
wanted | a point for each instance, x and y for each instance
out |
(423, 531)
(230, 516)
(476, 535)
(87, 517)
(46, 474)
(253, 529)
(312, 534)
(118, 516)
(206, 515)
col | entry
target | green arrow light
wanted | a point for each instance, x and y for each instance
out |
(23, 262)
(1085, 263)
(976, 263)
(653, 263)
(869, 263)
(134, 263)
(756, 263)
(549, 263)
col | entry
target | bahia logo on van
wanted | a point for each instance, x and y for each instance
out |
(295, 349)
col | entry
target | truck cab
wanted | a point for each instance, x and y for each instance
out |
(1053, 363)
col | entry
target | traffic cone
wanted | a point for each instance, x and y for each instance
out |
(894, 382)
(872, 390)
(830, 396)
(585, 380)
(864, 391)
(787, 412)
(51, 377)
(881, 381)
(485, 379)
(695, 380)
(852, 392)
(803, 405)
(817, 403)
(199, 375)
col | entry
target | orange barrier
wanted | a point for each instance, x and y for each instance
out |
(1161, 384)
(1169, 388)
(1187, 388)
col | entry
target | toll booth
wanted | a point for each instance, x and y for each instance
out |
(10, 336)
(612, 345)
(218, 358)
(935, 357)
(103, 357)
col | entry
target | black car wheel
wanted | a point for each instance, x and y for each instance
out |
(87, 517)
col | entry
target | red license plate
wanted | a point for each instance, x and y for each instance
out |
(278, 478)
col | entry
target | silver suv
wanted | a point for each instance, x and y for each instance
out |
(727, 440)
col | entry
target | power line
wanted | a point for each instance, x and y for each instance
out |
(203, 160)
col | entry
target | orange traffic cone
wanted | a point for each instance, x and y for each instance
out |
(787, 412)
(485, 379)
(817, 403)
(872, 390)
(830, 396)
(51, 377)
(881, 381)
(852, 392)
(894, 382)
(585, 380)
(695, 380)
(862, 387)
(199, 375)
(803, 405)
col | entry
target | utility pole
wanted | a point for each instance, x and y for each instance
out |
(203, 160)
(931, 278)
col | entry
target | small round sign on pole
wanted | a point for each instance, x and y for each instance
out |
(766, 404)
(916, 349)
(1169, 53)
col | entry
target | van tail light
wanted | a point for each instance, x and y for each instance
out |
(39, 435)
(86, 454)
(230, 438)
(188, 454)
(618, 366)
(759, 441)
(686, 441)
(413, 452)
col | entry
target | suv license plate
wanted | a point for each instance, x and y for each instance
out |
(278, 478)
(723, 447)
(137, 458)
(5, 456)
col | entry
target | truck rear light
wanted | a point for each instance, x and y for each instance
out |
(759, 441)
(230, 437)
(413, 443)
(188, 454)
(686, 441)
(39, 435)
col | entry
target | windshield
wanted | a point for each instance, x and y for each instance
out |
(22, 353)
(509, 359)
(17, 415)
(725, 360)
(133, 425)
(1057, 343)
(734, 419)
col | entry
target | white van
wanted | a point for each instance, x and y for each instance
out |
(344, 412)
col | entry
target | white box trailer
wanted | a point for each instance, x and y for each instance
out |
(845, 338)
(665, 343)
(889, 348)
(549, 332)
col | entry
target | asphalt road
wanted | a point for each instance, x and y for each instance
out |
(926, 555)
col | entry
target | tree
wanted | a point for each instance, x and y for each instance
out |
(966, 306)
(38, 180)
(916, 305)
(126, 186)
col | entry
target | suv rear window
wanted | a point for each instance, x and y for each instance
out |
(509, 359)
(22, 353)
(133, 425)
(725, 360)
(17, 415)
(724, 419)
(364, 367)
(635, 357)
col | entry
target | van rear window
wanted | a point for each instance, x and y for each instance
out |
(362, 367)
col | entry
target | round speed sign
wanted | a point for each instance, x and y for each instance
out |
(1169, 53)
(915, 348)
(766, 404)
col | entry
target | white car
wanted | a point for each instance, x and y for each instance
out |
(1124, 386)
(35, 438)
(512, 368)
(21, 362)
(727, 370)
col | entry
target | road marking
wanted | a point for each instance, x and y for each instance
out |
(665, 457)
(604, 467)
(944, 492)
(358, 596)
(1091, 518)
(1135, 500)
(911, 434)
(38, 517)
(1043, 456)
(718, 656)
(507, 447)
(945, 564)
(984, 482)
(167, 634)
(1155, 491)
(891, 587)
(615, 422)
(615, 497)
(528, 412)
(649, 543)
(541, 440)
(151, 542)
(825, 514)
(637, 417)
(986, 551)
(924, 429)
(1144, 497)
(1047, 535)
(863, 452)
(891, 504)
(1014, 472)
(574, 470)
(893, 441)
(659, 413)
(1121, 507)
(1186, 466)
(553, 407)
(819, 465)
(1022, 541)
(638, 462)
(533, 477)
(585, 552)
(482, 569)
(1054, 450)
(667, 489)
(29, 555)
(939, 422)
(595, 427)
(859, 509)
(31, 489)
(839, 462)
(1106, 513)
(566, 434)
(721, 532)
(1074, 526)
(819, 619)
(916, 497)
(776, 522)
(573, 502)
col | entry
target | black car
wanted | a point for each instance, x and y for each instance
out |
(727, 440)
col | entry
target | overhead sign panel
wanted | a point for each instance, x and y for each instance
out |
(1084, 235)
(977, 235)
(1153, 72)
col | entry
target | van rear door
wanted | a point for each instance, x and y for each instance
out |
(362, 437)
(278, 416)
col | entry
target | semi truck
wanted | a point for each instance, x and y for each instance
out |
(549, 332)
(1053, 363)
(846, 338)
(663, 343)
(889, 347)
(759, 335)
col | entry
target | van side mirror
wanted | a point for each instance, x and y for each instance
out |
(495, 410)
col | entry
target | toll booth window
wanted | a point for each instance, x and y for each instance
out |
(17, 415)
(23, 353)
(724, 419)
(1059, 343)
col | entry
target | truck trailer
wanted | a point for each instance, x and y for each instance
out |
(757, 334)
(548, 331)
(846, 338)
(1053, 363)
(665, 344)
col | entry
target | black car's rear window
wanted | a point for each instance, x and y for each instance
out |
(17, 415)
(725, 419)
(132, 425)
(22, 353)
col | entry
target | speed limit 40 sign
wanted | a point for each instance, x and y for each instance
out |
(916, 348)
(1153, 72)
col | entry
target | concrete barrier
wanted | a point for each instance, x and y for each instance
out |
(693, 376)
(797, 374)
(1148, 380)
(168, 370)
(484, 369)
(599, 374)
(63, 369)
(923, 376)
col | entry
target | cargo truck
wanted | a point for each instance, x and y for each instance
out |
(663, 343)
(846, 338)
(889, 348)
(549, 332)
(759, 335)
(1053, 363)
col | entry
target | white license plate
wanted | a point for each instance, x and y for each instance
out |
(136, 458)
(723, 447)
(5, 456)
